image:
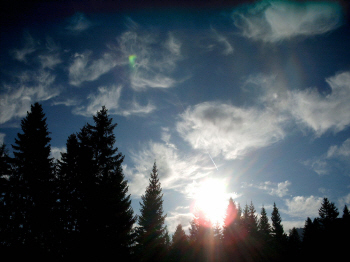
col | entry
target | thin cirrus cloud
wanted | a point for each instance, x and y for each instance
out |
(84, 68)
(155, 58)
(322, 165)
(323, 113)
(109, 96)
(273, 21)
(29, 87)
(176, 170)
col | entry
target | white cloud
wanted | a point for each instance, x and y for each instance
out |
(56, 152)
(345, 200)
(323, 113)
(176, 170)
(175, 218)
(154, 59)
(322, 165)
(228, 130)
(31, 87)
(49, 60)
(278, 189)
(303, 207)
(85, 69)
(339, 151)
(272, 21)
(110, 97)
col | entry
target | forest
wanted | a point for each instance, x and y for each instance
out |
(79, 208)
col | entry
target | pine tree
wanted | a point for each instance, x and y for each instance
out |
(33, 183)
(151, 231)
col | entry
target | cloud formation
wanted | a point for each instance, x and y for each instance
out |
(30, 87)
(227, 130)
(273, 21)
(154, 58)
(323, 113)
(302, 207)
(176, 171)
(84, 68)
(110, 97)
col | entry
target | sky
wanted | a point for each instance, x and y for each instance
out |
(246, 99)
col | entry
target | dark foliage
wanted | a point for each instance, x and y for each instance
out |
(151, 233)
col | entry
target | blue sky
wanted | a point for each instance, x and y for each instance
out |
(254, 94)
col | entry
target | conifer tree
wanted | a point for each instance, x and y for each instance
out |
(264, 226)
(328, 213)
(179, 246)
(151, 231)
(33, 183)
(111, 216)
(278, 235)
(277, 227)
(231, 230)
(5, 192)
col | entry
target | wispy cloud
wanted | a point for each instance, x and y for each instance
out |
(84, 68)
(30, 87)
(176, 169)
(30, 46)
(154, 58)
(229, 130)
(323, 113)
(110, 97)
(223, 40)
(324, 164)
(272, 21)
(78, 23)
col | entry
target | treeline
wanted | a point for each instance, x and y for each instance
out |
(79, 208)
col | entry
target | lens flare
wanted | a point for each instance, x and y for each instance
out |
(132, 59)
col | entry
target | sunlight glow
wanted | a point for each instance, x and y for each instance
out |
(211, 199)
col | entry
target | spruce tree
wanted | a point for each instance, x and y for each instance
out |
(278, 236)
(33, 183)
(151, 231)
(179, 245)
(231, 230)
(328, 213)
(111, 217)
(264, 226)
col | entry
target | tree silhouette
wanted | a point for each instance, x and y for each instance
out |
(179, 246)
(278, 236)
(151, 231)
(112, 219)
(33, 183)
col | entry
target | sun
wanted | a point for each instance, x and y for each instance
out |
(211, 199)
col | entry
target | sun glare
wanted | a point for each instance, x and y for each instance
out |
(211, 199)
